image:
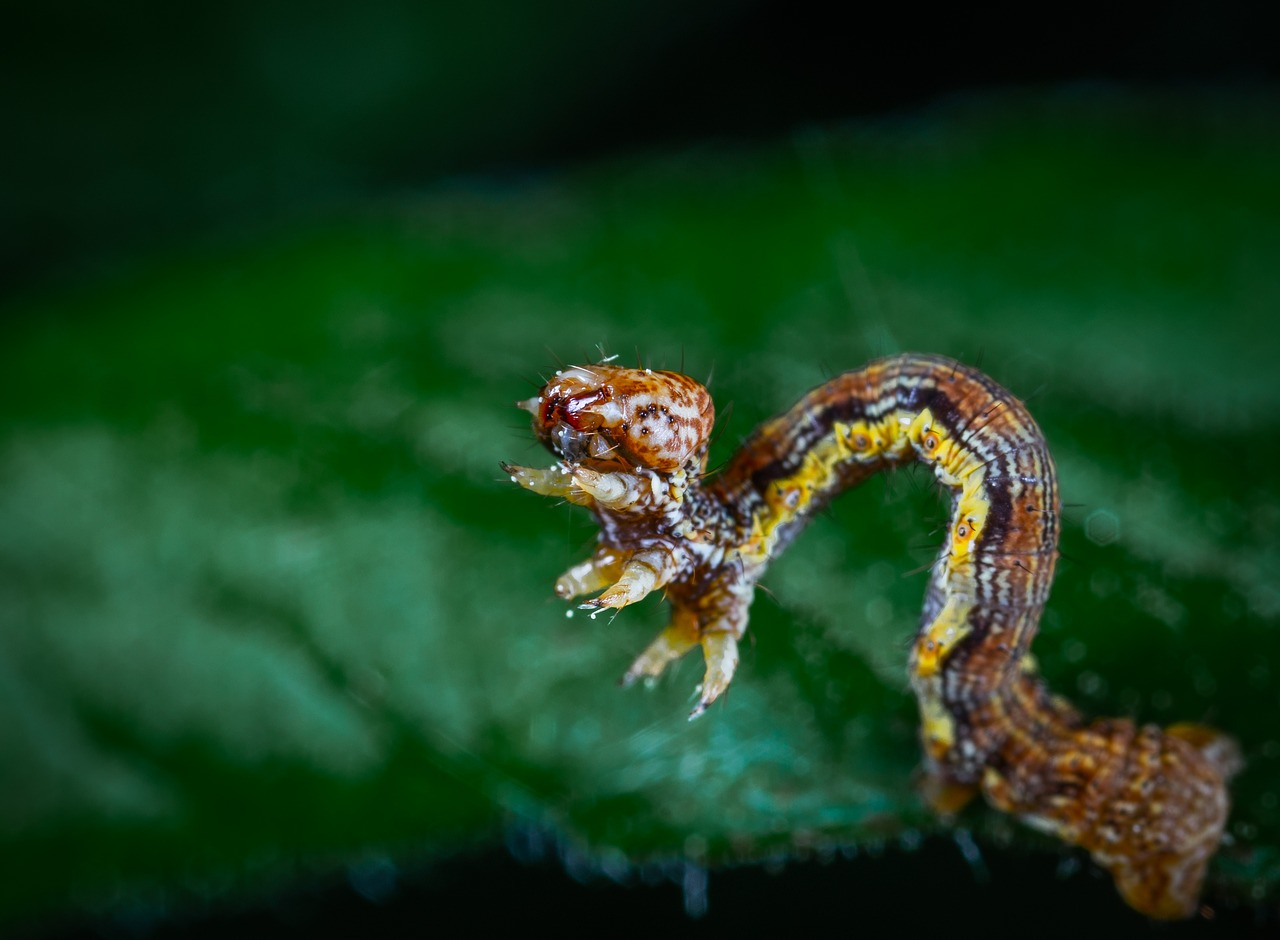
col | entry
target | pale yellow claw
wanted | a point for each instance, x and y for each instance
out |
(608, 489)
(548, 481)
(721, 653)
(672, 643)
(642, 574)
(586, 577)
(576, 484)
(719, 650)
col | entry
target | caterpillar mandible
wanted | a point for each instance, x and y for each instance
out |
(1148, 804)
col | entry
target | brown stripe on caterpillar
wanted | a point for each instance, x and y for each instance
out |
(1148, 804)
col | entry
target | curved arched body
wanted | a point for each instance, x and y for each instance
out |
(1148, 803)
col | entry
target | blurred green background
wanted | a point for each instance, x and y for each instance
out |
(271, 617)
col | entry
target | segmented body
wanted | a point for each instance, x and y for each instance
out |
(1149, 804)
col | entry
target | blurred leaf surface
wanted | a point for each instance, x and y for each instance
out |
(267, 601)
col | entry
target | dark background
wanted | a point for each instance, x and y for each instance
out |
(128, 131)
(127, 126)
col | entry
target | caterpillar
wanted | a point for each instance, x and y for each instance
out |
(1148, 804)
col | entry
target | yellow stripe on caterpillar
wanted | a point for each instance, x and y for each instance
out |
(937, 640)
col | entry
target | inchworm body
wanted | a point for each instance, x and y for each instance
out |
(1149, 804)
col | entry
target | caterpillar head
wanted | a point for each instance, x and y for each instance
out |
(616, 418)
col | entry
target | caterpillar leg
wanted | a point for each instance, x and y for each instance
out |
(596, 573)
(579, 485)
(616, 491)
(720, 650)
(545, 481)
(680, 636)
(643, 572)
(719, 644)
(943, 796)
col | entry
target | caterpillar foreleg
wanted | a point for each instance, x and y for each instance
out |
(549, 481)
(616, 491)
(720, 650)
(643, 573)
(599, 571)
(680, 636)
(685, 632)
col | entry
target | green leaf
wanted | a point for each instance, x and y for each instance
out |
(267, 601)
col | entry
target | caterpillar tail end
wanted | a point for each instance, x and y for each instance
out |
(1168, 827)
(1221, 750)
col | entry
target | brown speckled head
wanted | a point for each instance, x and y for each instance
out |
(609, 416)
